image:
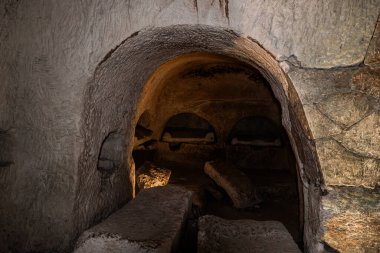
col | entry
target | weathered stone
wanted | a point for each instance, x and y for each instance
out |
(149, 175)
(341, 167)
(364, 137)
(152, 222)
(345, 109)
(351, 219)
(220, 235)
(315, 85)
(320, 125)
(367, 80)
(373, 51)
(237, 185)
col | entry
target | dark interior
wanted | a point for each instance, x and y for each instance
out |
(227, 112)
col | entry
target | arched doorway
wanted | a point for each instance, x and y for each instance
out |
(239, 125)
(130, 78)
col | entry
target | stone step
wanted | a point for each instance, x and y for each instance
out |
(152, 222)
(249, 236)
(235, 182)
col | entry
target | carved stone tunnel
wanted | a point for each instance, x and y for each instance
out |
(182, 96)
(250, 110)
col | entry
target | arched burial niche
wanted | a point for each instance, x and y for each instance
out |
(239, 124)
(132, 77)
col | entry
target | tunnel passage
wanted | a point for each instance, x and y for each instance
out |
(210, 107)
(125, 94)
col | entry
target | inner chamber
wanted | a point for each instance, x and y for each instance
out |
(205, 107)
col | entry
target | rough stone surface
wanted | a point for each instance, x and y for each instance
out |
(345, 109)
(364, 137)
(373, 51)
(320, 125)
(367, 80)
(152, 222)
(342, 110)
(149, 175)
(342, 167)
(237, 185)
(351, 219)
(219, 235)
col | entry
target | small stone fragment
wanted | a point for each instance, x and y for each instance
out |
(237, 185)
(149, 175)
(219, 235)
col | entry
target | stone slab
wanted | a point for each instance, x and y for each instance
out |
(220, 235)
(149, 175)
(237, 185)
(152, 222)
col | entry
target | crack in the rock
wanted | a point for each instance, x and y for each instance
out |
(377, 23)
(342, 126)
(351, 152)
(226, 10)
(195, 2)
(327, 117)
(109, 54)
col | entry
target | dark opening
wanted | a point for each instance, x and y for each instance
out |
(218, 109)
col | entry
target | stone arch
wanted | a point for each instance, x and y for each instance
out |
(120, 86)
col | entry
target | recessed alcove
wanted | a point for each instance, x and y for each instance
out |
(212, 107)
(202, 74)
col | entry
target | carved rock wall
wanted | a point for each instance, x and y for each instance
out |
(49, 51)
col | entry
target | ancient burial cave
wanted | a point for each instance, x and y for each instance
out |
(210, 125)
(215, 108)
(179, 125)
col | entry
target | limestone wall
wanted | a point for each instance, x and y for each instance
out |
(49, 51)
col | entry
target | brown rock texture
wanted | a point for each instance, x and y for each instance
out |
(367, 80)
(364, 137)
(351, 219)
(342, 167)
(342, 110)
(345, 109)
